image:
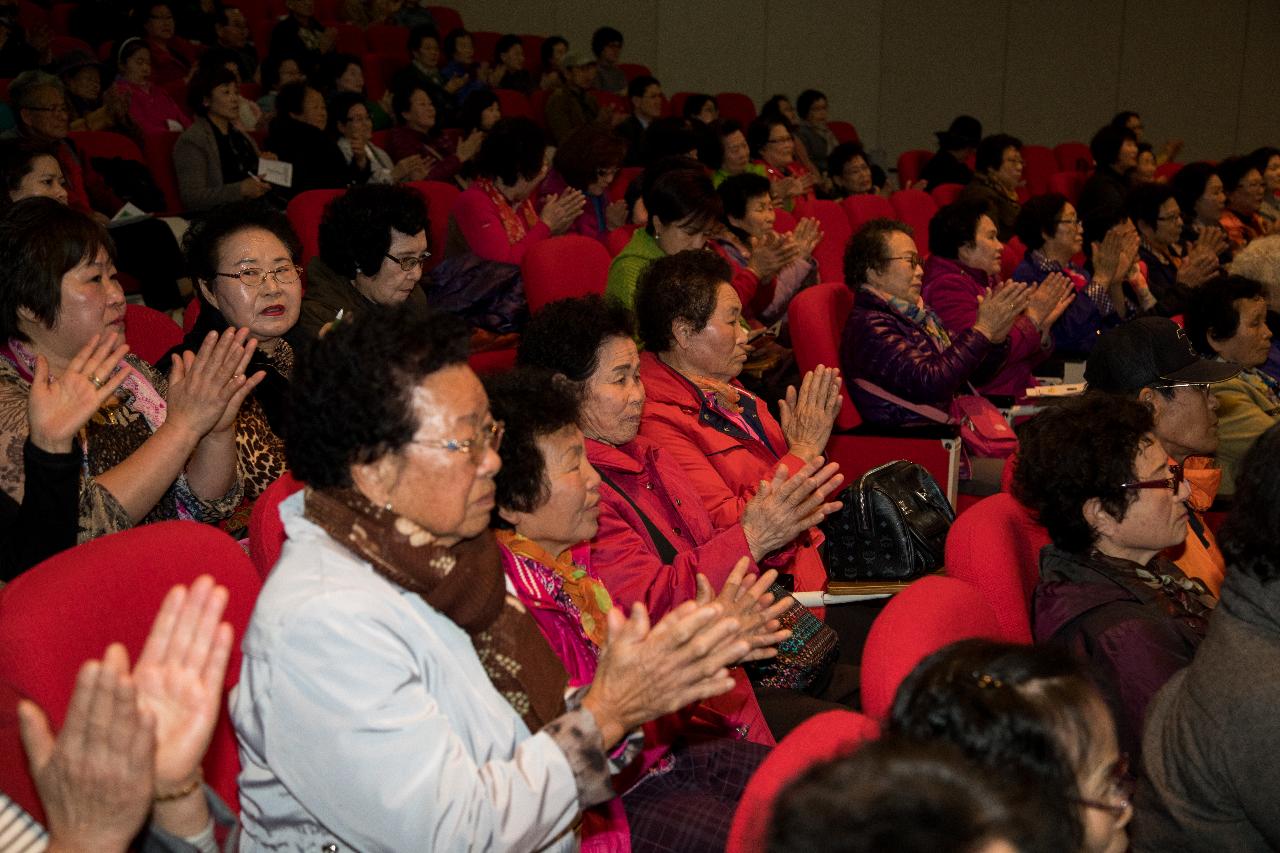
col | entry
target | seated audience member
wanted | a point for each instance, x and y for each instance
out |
(956, 145)
(1132, 122)
(1095, 475)
(1267, 161)
(571, 106)
(780, 107)
(1101, 203)
(689, 320)
(92, 108)
(701, 107)
(773, 147)
(1144, 169)
(1200, 196)
(414, 13)
(47, 519)
(423, 71)
(508, 71)
(735, 153)
(1151, 360)
(1228, 321)
(782, 263)
(417, 134)
(588, 161)
(1242, 182)
(172, 57)
(343, 74)
(1174, 267)
(997, 173)
(150, 107)
(125, 766)
(606, 46)
(160, 450)
(349, 121)
(232, 33)
(1050, 228)
(298, 136)
(147, 248)
(961, 272)
(1208, 768)
(645, 94)
(851, 172)
(547, 501)
(552, 55)
(215, 162)
(29, 169)
(901, 795)
(893, 343)
(362, 13)
(250, 114)
(371, 633)
(655, 537)
(277, 71)
(243, 260)
(812, 130)
(301, 36)
(1033, 717)
(1260, 261)
(373, 243)
(477, 116)
(460, 63)
(683, 210)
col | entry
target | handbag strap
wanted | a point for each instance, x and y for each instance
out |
(931, 412)
(666, 551)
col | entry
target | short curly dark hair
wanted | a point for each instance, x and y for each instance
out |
(955, 226)
(41, 240)
(1233, 171)
(679, 287)
(204, 238)
(1143, 203)
(1106, 144)
(1250, 533)
(759, 131)
(1189, 184)
(512, 149)
(593, 320)
(587, 152)
(1211, 311)
(208, 77)
(1039, 216)
(677, 189)
(351, 392)
(990, 154)
(1072, 453)
(355, 230)
(339, 109)
(533, 403)
(603, 37)
(866, 249)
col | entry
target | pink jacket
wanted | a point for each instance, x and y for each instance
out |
(952, 289)
(480, 224)
(150, 107)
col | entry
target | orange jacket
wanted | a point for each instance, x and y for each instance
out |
(1199, 556)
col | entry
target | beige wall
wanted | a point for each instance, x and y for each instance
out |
(1045, 70)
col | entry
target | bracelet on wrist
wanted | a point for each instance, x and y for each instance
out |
(184, 791)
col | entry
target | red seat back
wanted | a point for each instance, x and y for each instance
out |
(618, 188)
(375, 82)
(539, 103)
(305, 211)
(737, 106)
(533, 54)
(513, 104)
(621, 103)
(929, 614)
(190, 314)
(1068, 183)
(70, 607)
(910, 164)
(150, 333)
(262, 35)
(844, 131)
(440, 198)
(1166, 171)
(945, 194)
(62, 45)
(915, 208)
(632, 70)
(1073, 156)
(817, 316)
(618, 238)
(783, 222)
(158, 148)
(563, 267)
(995, 546)
(675, 104)
(491, 361)
(1013, 253)
(350, 40)
(1038, 164)
(821, 738)
(266, 530)
(484, 42)
(447, 19)
(829, 253)
(863, 208)
(106, 143)
(388, 39)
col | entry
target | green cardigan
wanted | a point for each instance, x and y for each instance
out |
(626, 268)
(1246, 409)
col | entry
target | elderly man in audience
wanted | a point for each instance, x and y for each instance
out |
(571, 106)
(1094, 473)
(1152, 360)
(997, 172)
(388, 632)
(1229, 322)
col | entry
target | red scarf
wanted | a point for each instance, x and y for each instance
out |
(516, 221)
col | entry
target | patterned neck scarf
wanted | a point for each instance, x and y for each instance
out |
(919, 314)
(465, 583)
(1184, 598)
(586, 592)
(1266, 380)
(516, 221)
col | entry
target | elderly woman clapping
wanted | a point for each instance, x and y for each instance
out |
(158, 450)
(386, 631)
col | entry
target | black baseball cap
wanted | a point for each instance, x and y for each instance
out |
(1146, 352)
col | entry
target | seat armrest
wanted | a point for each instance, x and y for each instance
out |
(940, 432)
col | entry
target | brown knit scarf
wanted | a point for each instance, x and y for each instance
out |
(465, 583)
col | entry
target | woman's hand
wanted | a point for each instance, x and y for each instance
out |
(559, 211)
(747, 598)
(808, 416)
(1049, 299)
(998, 310)
(615, 214)
(807, 234)
(772, 253)
(789, 505)
(646, 672)
(206, 388)
(253, 187)
(411, 168)
(469, 147)
(95, 780)
(1199, 266)
(57, 408)
(456, 83)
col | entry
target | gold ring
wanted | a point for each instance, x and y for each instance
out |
(97, 383)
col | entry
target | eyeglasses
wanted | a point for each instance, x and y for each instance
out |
(914, 258)
(781, 140)
(1119, 791)
(410, 263)
(1171, 483)
(489, 438)
(254, 277)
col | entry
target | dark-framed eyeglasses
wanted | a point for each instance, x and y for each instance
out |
(1119, 791)
(1171, 483)
(410, 263)
(914, 259)
(1072, 222)
(254, 277)
(489, 438)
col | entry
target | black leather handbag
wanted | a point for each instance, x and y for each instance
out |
(893, 526)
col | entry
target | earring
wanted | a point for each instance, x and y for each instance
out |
(387, 506)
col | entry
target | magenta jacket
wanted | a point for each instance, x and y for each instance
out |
(952, 289)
